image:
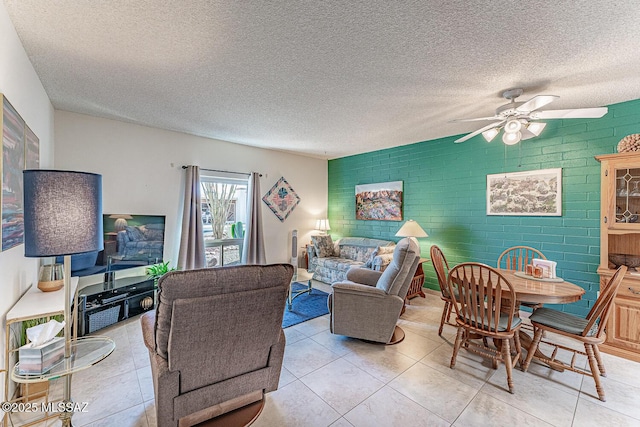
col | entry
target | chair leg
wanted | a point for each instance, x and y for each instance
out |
(456, 347)
(537, 336)
(516, 341)
(506, 359)
(593, 364)
(445, 316)
(596, 352)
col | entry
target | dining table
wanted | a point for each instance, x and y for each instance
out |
(540, 291)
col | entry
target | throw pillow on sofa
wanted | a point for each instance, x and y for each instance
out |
(380, 250)
(323, 245)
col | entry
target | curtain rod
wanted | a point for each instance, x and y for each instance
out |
(218, 170)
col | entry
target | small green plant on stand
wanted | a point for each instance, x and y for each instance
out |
(156, 271)
(237, 230)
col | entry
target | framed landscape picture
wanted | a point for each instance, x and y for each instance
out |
(13, 160)
(530, 193)
(382, 201)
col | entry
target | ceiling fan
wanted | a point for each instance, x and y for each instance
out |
(519, 118)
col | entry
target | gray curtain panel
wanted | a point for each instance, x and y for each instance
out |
(253, 249)
(191, 255)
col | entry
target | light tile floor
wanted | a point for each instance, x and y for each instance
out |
(330, 380)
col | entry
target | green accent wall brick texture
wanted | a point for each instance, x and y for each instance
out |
(445, 192)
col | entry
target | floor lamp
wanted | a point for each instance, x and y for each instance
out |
(62, 217)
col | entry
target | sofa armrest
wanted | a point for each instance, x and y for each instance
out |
(380, 262)
(363, 275)
(311, 251)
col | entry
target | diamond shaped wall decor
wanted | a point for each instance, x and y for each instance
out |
(281, 199)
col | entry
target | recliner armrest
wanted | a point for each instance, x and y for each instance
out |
(148, 321)
(357, 289)
(363, 275)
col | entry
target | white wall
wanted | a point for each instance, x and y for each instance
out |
(22, 87)
(142, 174)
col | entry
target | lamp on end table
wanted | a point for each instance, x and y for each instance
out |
(412, 230)
(62, 216)
(323, 225)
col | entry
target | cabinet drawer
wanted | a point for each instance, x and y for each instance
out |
(629, 290)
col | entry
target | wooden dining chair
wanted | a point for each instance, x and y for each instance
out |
(516, 258)
(441, 267)
(589, 331)
(485, 308)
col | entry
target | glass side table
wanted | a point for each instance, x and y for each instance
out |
(85, 352)
(300, 275)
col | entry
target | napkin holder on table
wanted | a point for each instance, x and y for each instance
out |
(548, 267)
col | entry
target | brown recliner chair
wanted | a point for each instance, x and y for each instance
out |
(368, 304)
(216, 342)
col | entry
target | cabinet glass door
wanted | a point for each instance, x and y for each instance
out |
(627, 195)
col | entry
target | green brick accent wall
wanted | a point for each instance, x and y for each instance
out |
(445, 192)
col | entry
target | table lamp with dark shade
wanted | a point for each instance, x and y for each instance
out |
(62, 216)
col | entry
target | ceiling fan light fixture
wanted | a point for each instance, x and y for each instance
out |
(536, 128)
(512, 126)
(490, 134)
(511, 138)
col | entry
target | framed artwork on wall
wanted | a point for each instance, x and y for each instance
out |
(32, 149)
(13, 162)
(281, 199)
(381, 201)
(530, 193)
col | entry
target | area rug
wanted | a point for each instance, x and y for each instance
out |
(305, 306)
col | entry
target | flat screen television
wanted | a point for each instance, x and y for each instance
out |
(129, 241)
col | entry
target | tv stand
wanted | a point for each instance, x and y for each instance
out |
(103, 304)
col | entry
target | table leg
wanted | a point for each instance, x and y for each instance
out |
(293, 295)
(526, 340)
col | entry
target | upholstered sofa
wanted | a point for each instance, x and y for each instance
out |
(329, 261)
(141, 242)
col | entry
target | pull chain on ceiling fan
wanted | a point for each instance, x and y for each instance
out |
(518, 118)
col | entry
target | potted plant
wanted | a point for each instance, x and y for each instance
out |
(156, 271)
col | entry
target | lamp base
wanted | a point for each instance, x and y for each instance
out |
(51, 286)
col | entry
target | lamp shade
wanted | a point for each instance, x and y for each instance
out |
(323, 224)
(411, 229)
(62, 212)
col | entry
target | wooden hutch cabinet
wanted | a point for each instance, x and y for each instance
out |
(620, 244)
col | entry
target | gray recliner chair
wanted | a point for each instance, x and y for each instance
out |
(368, 304)
(215, 341)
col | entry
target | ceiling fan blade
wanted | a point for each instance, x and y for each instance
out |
(526, 133)
(474, 120)
(535, 103)
(479, 131)
(576, 113)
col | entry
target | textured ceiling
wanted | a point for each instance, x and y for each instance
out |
(326, 78)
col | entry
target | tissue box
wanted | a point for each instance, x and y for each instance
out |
(40, 359)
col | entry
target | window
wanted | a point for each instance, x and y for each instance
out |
(224, 215)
